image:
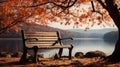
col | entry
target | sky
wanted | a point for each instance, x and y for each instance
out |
(64, 27)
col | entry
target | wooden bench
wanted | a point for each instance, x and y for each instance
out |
(43, 40)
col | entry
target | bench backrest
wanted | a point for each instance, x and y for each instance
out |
(31, 39)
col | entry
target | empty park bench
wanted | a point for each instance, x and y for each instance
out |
(43, 40)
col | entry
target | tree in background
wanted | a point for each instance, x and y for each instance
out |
(79, 13)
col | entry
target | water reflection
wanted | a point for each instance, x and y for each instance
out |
(11, 45)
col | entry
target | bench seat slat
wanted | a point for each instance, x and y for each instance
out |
(43, 38)
(30, 45)
(40, 43)
(50, 47)
(38, 35)
(41, 34)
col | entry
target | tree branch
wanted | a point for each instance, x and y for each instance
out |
(71, 4)
(59, 5)
(103, 5)
(9, 26)
(93, 6)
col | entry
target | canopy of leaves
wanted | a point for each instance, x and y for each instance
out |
(43, 12)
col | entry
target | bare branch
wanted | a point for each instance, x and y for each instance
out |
(103, 5)
(10, 25)
(93, 6)
(59, 5)
(71, 4)
(65, 1)
(98, 11)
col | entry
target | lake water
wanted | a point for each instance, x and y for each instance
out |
(80, 45)
(85, 45)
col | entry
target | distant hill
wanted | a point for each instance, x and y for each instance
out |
(103, 31)
(94, 33)
(111, 36)
(28, 27)
(76, 33)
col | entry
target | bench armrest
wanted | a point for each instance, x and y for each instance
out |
(60, 40)
(66, 38)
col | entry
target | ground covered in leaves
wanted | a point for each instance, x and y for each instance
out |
(63, 62)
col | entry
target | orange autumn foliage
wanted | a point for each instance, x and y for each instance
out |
(13, 11)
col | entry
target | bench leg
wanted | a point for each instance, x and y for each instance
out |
(70, 52)
(60, 52)
(35, 54)
(23, 58)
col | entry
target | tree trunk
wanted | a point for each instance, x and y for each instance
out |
(115, 57)
(115, 15)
